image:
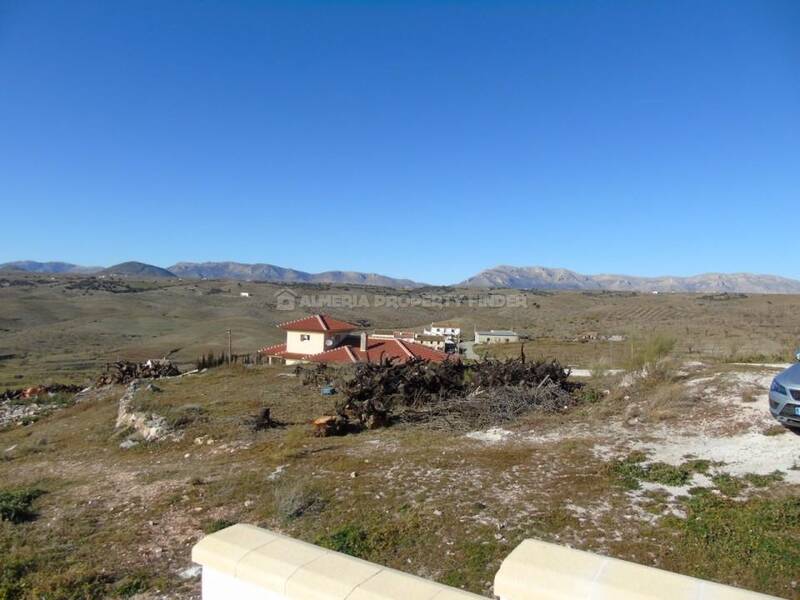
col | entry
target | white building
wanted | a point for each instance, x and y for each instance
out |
(321, 338)
(309, 336)
(496, 336)
(449, 330)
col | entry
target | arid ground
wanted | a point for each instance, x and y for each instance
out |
(678, 465)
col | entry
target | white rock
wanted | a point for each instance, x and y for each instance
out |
(191, 572)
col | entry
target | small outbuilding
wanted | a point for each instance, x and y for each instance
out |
(496, 336)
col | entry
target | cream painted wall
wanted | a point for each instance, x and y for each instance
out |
(314, 345)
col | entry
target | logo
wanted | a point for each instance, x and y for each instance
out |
(285, 299)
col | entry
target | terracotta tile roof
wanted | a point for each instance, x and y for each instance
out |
(432, 338)
(279, 350)
(318, 323)
(379, 350)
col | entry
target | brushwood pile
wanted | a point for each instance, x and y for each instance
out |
(123, 371)
(450, 394)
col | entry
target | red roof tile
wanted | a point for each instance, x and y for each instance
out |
(377, 351)
(279, 350)
(318, 323)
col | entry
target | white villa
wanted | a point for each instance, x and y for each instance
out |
(321, 338)
(309, 336)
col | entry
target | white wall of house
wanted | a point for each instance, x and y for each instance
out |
(494, 338)
(437, 330)
(435, 344)
(311, 342)
(305, 342)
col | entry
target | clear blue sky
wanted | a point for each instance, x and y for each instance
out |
(426, 140)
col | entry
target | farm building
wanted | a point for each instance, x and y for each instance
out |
(386, 334)
(442, 343)
(321, 338)
(496, 336)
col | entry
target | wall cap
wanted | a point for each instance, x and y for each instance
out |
(302, 571)
(538, 570)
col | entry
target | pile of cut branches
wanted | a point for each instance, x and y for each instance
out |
(451, 392)
(39, 390)
(490, 407)
(123, 371)
(317, 375)
(412, 383)
(517, 372)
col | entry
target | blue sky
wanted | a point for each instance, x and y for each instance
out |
(425, 140)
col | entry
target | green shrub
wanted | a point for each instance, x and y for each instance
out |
(350, 539)
(131, 585)
(667, 474)
(477, 562)
(75, 583)
(649, 352)
(589, 394)
(628, 472)
(752, 543)
(762, 481)
(12, 571)
(728, 484)
(17, 505)
(697, 465)
(632, 470)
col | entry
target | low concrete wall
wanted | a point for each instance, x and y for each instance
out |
(248, 563)
(540, 571)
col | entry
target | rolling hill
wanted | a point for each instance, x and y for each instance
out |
(267, 272)
(137, 269)
(32, 266)
(544, 278)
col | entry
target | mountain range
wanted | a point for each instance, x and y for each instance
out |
(504, 276)
(214, 270)
(31, 266)
(542, 278)
(265, 272)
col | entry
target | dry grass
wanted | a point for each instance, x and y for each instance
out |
(430, 502)
(49, 332)
(118, 522)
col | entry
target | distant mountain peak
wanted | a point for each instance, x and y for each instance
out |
(545, 278)
(137, 269)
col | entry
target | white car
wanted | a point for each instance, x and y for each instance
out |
(784, 397)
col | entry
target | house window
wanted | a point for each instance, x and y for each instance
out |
(304, 337)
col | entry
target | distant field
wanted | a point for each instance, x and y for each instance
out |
(65, 328)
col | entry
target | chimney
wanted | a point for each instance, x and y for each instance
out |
(363, 346)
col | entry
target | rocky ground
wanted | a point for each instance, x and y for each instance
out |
(682, 469)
